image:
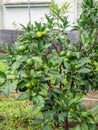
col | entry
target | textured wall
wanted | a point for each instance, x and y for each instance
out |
(9, 36)
(1, 14)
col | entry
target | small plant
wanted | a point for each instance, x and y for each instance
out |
(52, 72)
(16, 114)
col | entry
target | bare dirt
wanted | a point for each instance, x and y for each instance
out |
(90, 99)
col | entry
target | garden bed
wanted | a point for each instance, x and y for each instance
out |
(26, 107)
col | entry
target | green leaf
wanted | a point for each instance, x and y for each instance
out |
(78, 97)
(3, 67)
(82, 38)
(91, 121)
(53, 79)
(46, 127)
(49, 114)
(43, 92)
(21, 84)
(77, 55)
(58, 79)
(6, 91)
(94, 109)
(72, 102)
(46, 46)
(56, 90)
(48, 19)
(23, 74)
(36, 109)
(18, 57)
(37, 59)
(77, 127)
(39, 100)
(63, 115)
(2, 77)
(91, 126)
(13, 86)
(23, 27)
(65, 6)
(24, 96)
(84, 70)
(9, 88)
(83, 61)
(37, 121)
(65, 100)
(84, 126)
(15, 65)
(75, 100)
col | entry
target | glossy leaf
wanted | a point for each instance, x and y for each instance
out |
(24, 96)
(9, 88)
(46, 127)
(84, 70)
(2, 77)
(84, 126)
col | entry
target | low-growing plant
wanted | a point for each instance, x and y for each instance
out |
(16, 114)
(54, 73)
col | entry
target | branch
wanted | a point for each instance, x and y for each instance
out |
(54, 43)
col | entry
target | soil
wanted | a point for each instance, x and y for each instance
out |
(90, 99)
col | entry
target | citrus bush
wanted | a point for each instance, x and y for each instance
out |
(54, 73)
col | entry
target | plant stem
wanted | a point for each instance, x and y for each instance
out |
(60, 73)
(66, 124)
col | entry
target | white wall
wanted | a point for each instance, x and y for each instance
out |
(0, 13)
(18, 14)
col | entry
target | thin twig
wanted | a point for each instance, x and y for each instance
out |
(54, 45)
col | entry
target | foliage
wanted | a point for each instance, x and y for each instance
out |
(16, 114)
(3, 67)
(54, 73)
(88, 44)
(94, 110)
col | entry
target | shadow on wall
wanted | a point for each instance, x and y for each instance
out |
(10, 36)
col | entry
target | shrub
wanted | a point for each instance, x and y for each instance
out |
(52, 72)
